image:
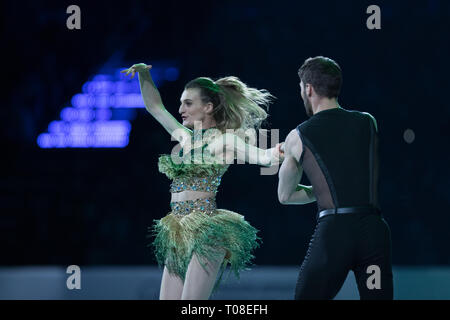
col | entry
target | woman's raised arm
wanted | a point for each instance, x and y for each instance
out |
(153, 103)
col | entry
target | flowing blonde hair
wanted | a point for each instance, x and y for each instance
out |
(235, 105)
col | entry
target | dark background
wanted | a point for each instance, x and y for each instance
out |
(93, 206)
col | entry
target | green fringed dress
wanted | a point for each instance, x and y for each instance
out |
(197, 226)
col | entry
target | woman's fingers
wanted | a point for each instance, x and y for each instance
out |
(135, 68)
(126, 71)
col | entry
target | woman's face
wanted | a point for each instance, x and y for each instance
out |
(192, 109)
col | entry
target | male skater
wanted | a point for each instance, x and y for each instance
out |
(338, 150)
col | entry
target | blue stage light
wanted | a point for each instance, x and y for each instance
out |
(88, 122)
(69, 114)
(171, 74)
(103, 114)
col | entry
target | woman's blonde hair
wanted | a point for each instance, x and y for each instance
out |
(235, 105)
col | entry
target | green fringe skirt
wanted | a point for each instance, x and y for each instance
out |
(177, 237)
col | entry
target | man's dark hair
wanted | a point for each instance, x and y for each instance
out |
(323, 74)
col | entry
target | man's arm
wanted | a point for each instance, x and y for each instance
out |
(290, 174)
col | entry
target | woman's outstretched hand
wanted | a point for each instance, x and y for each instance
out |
(279, 151)
(281, 148)
(139, 67)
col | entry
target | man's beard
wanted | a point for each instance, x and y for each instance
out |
(308, 107)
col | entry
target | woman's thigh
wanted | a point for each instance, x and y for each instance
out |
(201, 276)
(171, 286)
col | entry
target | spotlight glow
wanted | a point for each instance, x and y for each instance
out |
(89, 122)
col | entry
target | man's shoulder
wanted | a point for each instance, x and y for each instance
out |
(293, 138)
(372, 119)
(303, 124)
(305, 127)
(293, 144)
(363, 115)
(358, 113)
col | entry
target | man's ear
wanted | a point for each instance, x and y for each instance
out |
(309, 89)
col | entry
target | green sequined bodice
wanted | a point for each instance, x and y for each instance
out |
(195, 170)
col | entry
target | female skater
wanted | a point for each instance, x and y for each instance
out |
(196, 241)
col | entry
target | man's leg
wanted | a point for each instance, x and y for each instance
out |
(327, 261)
(373, 272)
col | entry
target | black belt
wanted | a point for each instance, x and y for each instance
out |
(344, 210)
